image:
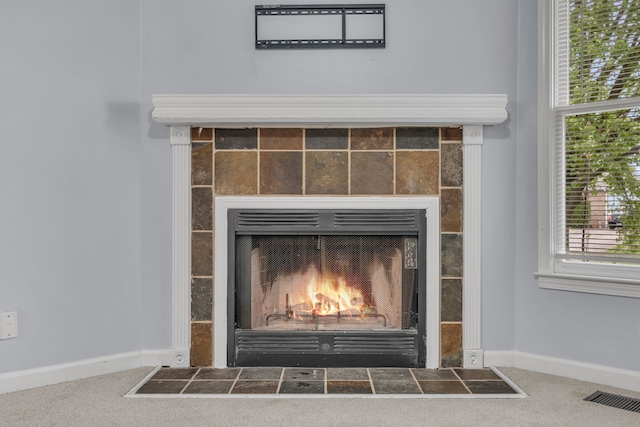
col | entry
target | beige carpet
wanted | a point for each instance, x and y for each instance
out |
(99, 401)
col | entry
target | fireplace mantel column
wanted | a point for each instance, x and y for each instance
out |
(472, 139)
(181, 248)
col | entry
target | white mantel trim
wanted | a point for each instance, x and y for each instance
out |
(323, 111)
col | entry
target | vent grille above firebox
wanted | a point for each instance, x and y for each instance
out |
(277, 219)
(381, 219)
(326, 220)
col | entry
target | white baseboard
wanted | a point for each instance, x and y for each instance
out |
(156, 358)
(499, 358)
(47, 375)
(615, 377)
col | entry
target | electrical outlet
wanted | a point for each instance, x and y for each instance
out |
(8, 325)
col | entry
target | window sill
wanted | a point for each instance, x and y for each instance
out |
(589, 284)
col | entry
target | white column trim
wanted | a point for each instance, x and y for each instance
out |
(181, 248)
(431, 204)
(472, 139)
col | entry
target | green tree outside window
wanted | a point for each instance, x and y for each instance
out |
(602, 146)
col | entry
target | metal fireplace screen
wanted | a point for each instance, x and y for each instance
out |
(308, 286)
(327, 283)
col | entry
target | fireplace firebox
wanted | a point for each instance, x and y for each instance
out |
(326, 287)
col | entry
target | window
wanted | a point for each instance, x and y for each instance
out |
(589, 118)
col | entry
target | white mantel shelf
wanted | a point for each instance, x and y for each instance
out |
(471, 112)
(325, 111)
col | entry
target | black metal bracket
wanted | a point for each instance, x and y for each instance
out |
(342, 10)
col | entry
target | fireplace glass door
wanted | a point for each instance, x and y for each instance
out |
(326, 293)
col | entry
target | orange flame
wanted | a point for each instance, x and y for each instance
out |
(333, 296)
(327, 296)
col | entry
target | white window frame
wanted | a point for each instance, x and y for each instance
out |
(554, 273)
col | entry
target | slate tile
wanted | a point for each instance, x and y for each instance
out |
(372, 139)
(434, 374)
(325, 139)
(412, 138)
(255, 387)
(236, 173)
(201, 134)
(162, 387)
(349, 387)
(396, 387)
(489, 387)
(175, 374)
(326, 172)
(451, 345)
(202, 253)
(417, 172)
(280, 139)
(390, 374)
(451, 210)
(442, 387)
(307, 374)
(201, 163)
(236, 139)
(451, 255)
(451, 134)
(281, 172)
(201, 344)
(260, 374)
(451, 300)
(218, 374)
(371, 173)
(477, 374)
(347, 374)
(201, 208)
(201, 299)
(301, 387)
(209, 387)
(451, 165)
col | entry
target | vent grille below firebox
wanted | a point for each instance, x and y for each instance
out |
(278, 343)
(364, 344)
(345, 343)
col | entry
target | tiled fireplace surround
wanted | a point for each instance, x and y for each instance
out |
(240, 149)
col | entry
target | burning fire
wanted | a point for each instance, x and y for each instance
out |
(329, 296)
(333, 297)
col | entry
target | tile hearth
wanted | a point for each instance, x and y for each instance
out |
(201, 382)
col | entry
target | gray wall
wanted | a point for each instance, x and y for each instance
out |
(69, 180)
(85, 174)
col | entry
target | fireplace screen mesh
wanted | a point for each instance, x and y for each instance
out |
(326, 282)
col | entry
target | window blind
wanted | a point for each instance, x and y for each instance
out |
(597, 108)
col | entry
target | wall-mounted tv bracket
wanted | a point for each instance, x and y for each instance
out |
(341, 10)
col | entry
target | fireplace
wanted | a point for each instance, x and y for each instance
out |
(327, 287)
(380, 167)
